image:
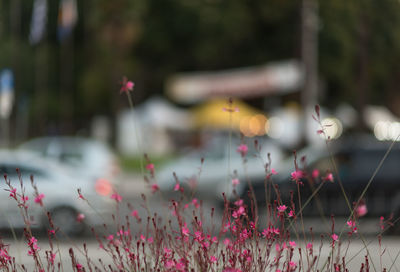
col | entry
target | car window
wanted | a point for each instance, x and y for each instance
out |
(26, 172)
(72, 158)
(369, 161)
(344, 163)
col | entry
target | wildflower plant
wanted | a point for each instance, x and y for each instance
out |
(190, 237)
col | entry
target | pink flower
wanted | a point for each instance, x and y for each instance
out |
(154, 188)
(4, 254)
(199, 236)
(351, 224)
(150, 167)
(309, 246)
(239, 212)
(79, 267)
(52, 257)
(32, 241)
(176, 187)
(126, 85)
(315, 173)
(291, 213)
(13, 193)
(381, 223)
(282, 208)
(39, 198)
(297, 175)
(110, 237)
(169, 264)
(33, 246)
(292, 266)
(130, 85)
(180, 266)
(235, 182)
(195, 203)
(266, 232)
(185, 230)
(213, 259)
(329, 177)
(117, 197)
(80, 217)
(242, 149)
(273, 172)
(361, 210)
(334, 239)
(227, 242)
(135, 214)
(292, 244)
(239, 202)
(80, 195)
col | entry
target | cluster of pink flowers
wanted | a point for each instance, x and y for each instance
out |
(32, 244)
(4, 256)
(270, 232)
(352, 226)
(240, 211)
(297, 176)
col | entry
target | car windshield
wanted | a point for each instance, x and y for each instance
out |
(218, 149)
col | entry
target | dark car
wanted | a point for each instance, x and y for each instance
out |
(353, 163)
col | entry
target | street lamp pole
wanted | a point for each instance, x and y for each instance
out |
(309, 55)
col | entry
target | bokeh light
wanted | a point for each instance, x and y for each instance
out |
(333, 128)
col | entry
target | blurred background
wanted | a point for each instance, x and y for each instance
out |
(202, 69)
(62, 63)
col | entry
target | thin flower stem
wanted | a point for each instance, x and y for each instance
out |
(229, 151)
(13, 235)
(301, 214)
(138, 140)
(394, 261)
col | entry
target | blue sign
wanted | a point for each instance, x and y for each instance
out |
(6, 81)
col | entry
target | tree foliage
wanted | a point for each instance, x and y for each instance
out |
(148, 40)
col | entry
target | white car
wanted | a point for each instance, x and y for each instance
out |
(59, 188)
(84, 156)
(216, 174)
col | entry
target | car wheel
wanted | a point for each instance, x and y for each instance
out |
(65, 218)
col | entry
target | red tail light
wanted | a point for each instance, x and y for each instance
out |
(103, 187)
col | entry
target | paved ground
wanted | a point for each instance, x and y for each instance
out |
(355, 255)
